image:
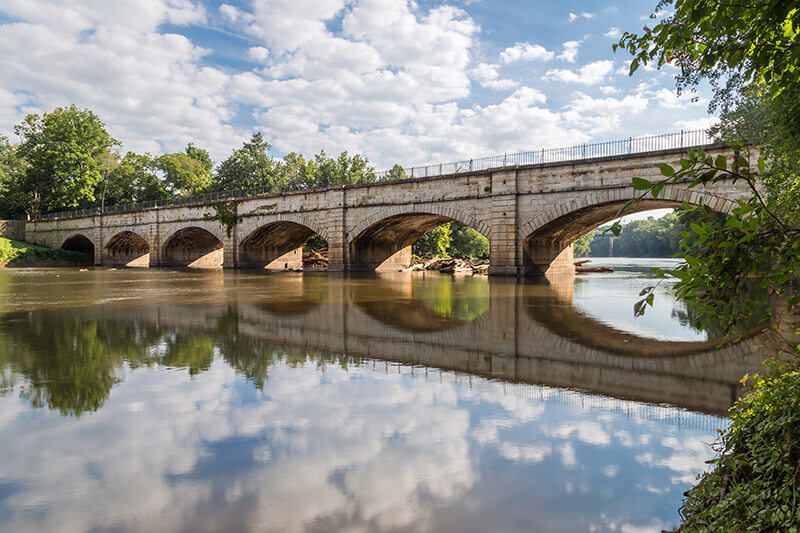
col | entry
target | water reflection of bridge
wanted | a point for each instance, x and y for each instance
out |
(526, 333)
(508, 332)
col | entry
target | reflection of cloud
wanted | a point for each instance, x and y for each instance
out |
(525, 454)
(585, 431)
(397, 447)
(341, 448)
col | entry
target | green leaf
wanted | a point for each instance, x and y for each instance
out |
(641, 184)
(762, 165)
(666, 169)
(721, 162)
(657, 189)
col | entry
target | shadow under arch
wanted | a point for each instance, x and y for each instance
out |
(548, 237)
(192, 247)
(127, 249)
(383, 242)
(275, 246)
(79, 243)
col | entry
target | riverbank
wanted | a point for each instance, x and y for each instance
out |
(755, 485)
(15, 253)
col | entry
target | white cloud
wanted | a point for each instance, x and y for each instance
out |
(613, 33)
(487, 76)
(525, 52)
(589, 74)
(258, 54)
(570, 52)
(573, 16)
(233, 14)
(608, 89)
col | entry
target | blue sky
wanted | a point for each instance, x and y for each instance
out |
(396, 81)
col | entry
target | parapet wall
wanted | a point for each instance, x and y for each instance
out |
(13, 229)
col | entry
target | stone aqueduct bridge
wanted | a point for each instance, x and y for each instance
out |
(531, 215)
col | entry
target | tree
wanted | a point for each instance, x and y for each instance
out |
(65, 153)
(465, 242)
(753, 48)
(434, 243)
(582, 247)
(297, 173)
(186, 173)
(732, 44)
(134, 179)
(12, 171)
(249, 167)
(397, 172)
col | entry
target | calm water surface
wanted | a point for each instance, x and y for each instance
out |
(155, 400)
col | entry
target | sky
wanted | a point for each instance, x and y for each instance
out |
(398, 82)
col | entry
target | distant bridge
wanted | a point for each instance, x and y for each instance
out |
(531, 206)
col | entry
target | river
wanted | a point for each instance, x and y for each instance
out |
(178, 400)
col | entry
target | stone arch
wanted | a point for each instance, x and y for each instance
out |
(547, 236)
(276, 245)
(127, 248)
(79, 243)
(383, 241)
(192, 246)
(433, 209)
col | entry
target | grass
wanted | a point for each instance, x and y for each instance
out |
(18, 253)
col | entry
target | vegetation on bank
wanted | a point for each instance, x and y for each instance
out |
(650, 237)
(18, 253)
(755, 485)
(749, 52)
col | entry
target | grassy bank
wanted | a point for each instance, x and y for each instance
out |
(18, 253)
(755, 485)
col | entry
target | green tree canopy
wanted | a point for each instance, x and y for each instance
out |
(730, 43)
(186, 173)
(249, 167)
(134, 179)
(12, 172)
(65, 151)
(434, 243)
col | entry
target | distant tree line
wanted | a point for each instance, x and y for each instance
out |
(66, 159)
(651, 237)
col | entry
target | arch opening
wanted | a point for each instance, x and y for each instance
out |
(127, 249)
(81, 244)
(192, 247)
(390, 243)
(549, 248)
(280, 246)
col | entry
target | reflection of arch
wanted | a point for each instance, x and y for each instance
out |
(384, 239)
(79, 243)
(275, 245)
(192, 247)
(547, 236)
(553, 309)
(127, 248)
(400, 309)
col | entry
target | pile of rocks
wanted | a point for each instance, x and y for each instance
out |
(452, 265)
(316, 259)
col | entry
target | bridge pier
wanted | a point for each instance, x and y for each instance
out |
(505, 250)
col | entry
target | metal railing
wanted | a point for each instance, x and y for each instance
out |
(631, 145)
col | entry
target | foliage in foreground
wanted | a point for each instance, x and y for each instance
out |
(756, 483)
(17, 253)
(750, 52)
